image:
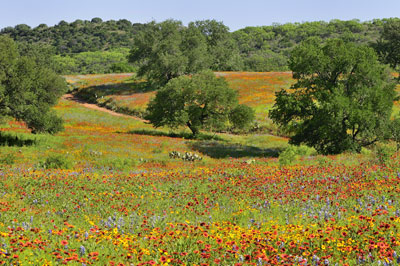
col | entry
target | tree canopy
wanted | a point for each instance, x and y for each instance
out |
(342, 99)
(262, 48)
(78, 36)
(167, 50)
(28, 88)
(389, 44)
(198, 102)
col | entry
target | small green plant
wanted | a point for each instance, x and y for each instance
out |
(122, 164)
(8, 159)
(324, 161)
(56, 161)
(366, 152)
(293, 153)
(383, 153)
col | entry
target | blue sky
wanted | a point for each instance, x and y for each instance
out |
(235, 14)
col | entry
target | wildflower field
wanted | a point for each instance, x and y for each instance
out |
(256, 89)
(106, 192)
(126, 94)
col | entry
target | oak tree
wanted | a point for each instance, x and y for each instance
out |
(198, 102)
(342, 99)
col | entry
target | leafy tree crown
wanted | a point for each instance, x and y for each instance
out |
(198, 102)
(342, 99)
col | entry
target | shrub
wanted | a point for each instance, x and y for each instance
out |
(56, 161)
(122, 163)
(242, 116)
(8, 159)
(383, 153)
(324, 161)
(366, 152)
(292, 153)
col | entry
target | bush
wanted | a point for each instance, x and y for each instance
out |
(324, 161)
(122, 163)
(8, 159)
(383, 153)
(242, 116)
(292, 153)
(366, 152)
(56, 161)
(122, 67)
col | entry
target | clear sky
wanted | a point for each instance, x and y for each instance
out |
(235, 14)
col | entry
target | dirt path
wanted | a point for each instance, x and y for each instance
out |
(71, 97)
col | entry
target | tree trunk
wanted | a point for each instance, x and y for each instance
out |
(194, 129)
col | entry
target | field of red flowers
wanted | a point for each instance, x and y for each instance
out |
(125, 202)
(229, 214)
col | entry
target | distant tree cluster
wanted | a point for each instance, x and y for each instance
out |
(78, 36)
(263, 48)
(29, 87)
(268, 48)
(388, 45)
(110, 61)
(82, 47)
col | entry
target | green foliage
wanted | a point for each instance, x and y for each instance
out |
(383, 153)
(264, 61)
(221, 46)
(324, 161)
(122, 163)
(366, 152)
(342, 99)
(56, 161)
(204, 44)
(168, 50)
(242, 116)
(78, 36)
(293, 153)
(28, 88)
(388, 45)
(112, 61)
(158, 52)
(19, 140)
(7, 159)
(267, 48)
(122, 67)
(202, 101)
(395, 132)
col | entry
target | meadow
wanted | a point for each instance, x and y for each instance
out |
(106, 192)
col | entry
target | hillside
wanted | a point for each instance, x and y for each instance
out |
(125, 94)
(105, 191)
(78, 36)
(98, 46)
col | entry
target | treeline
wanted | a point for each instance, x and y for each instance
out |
(78, 36)
(98, 46)
(82, 46)
(268, 48)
